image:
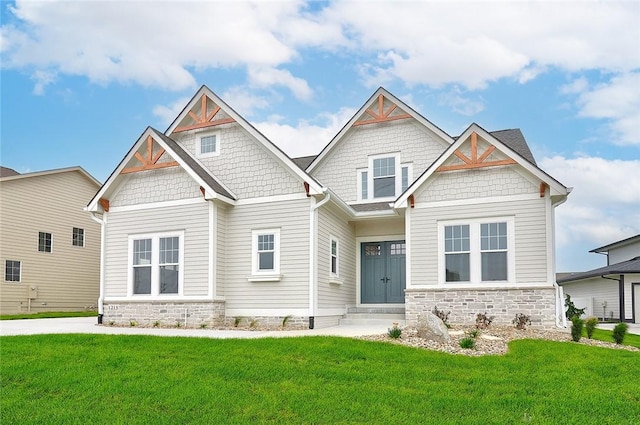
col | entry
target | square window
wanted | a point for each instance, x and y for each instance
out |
(156, 263)
(12, 271)
(207, 144)
(77, 237)
(45, 243)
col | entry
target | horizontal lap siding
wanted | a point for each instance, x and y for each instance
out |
(68, 278)
(331, 295)
(530, 237)
(292, 218)
(602, 290)
(221, 249)
(192, 219)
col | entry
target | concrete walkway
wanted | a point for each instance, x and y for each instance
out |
(88, 325)
(634, 328)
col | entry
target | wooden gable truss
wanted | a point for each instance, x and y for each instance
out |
(475, 161)
(204, 119)
(380, 115)
(151, 160)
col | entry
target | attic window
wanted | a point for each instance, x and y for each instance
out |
(208, 144)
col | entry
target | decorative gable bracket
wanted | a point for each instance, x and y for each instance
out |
(151, 161)
(475, 161)
(204, 120)
(381, 115)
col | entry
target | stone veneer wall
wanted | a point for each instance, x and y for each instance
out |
(188, 313)
(465, 304)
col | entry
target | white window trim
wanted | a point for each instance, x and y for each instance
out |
(38, 247)
(199, 137)
(409, 167)
(334, 277)
(475, 258)
(5, 272)
(359, 172)
(258, 275)
(155, 264)
(370, 179)
(84, 237)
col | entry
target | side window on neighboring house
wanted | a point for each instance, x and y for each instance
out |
(77, 237)
(266, 251)
(207, 144)
(478, 251)
(156, 264)
(45, 242)
(12, 271)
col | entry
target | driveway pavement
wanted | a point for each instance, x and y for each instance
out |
(634, 328)
(88, 325)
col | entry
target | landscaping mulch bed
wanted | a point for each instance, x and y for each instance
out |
(492, 341)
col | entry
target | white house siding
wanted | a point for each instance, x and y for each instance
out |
(290, 295)
(68, 278)
(244, 165)
(415, 143)
(624, 253)
(629, 280)
(530, 237)
(478, 183)
(593, 293)
(380, 227)
(333, 296)
(193, 219)
(165, 184)
(221, 248)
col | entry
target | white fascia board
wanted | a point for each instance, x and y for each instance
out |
(315, 188)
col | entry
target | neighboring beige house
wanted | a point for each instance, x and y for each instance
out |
(49, 246)
(210, 220)
(611, 292)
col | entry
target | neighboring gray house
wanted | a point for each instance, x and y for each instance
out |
(210, 220)
(611, 292)
(49, 246)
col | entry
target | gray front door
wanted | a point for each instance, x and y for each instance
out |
(383, 272)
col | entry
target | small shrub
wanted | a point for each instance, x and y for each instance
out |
(285, 320)
(576, 328)
(203, 325)
(483, 321)
(178, 324)
(522, 321)
(467, 343)
(236, 321)
(442, 315)
(253, 324)
(571, 308)
(473, 333)
(133, 323)
(156, 324)
(590, 325)
(619, 332)
(394, 331)
(112, 322)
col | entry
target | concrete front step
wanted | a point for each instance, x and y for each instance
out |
(375, 310)
(373, 319)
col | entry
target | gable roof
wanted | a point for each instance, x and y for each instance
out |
(515, 140)
(363, 111)
(78, 169)
(304, 161)
(314, 186)
(617, 244)
(6, 172)
(214, 189)
(556, 188)
(625, 267)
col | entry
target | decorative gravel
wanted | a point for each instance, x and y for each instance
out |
(492, 341)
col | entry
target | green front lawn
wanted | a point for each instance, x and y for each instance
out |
(82, 379)
(48, 315)
(607, 335)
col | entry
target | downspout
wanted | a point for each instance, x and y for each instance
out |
(313, 225)
(103, 223)
(620, 294)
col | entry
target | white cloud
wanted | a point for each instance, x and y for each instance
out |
(167, 113)
(264, 77)
(244, 101)
(461, 103)
(619, 102)
(603, 207)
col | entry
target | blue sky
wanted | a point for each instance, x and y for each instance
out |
(80, 81)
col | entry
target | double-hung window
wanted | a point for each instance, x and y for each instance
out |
(477, 251)
(45, 242)
(208, 144)
(12, 271)
(77, 237)
(265, 259)
(384, 178)
(334, 256)
(156, 264)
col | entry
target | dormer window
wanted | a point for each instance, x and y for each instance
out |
(385, 178)
(208, 144)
